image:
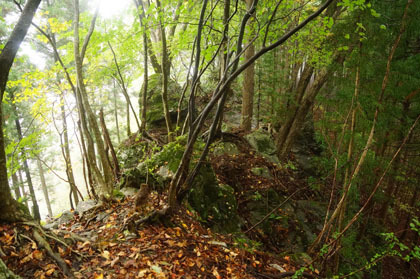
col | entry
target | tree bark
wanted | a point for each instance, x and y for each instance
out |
(166, 67)
(105, 179)
(9, 208)
(117, 125)
(109, 146)
(44, 187)
(35, 207)
(16, 188)
(249, 77)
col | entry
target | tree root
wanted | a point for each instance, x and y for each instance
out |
(155, 217)
(42, 243)
(38, 234)
(5, 272)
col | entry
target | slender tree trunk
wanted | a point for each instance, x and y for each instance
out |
(117, 125)
(369, 141)
(347, 172)
(143, 94)
(9, 209)
(109, 145)
(44, 187)
(127, 115)
(16, 188)
(105, 179)
(35, 207)
(166, 67)
(123, 86)
(22, 187)
(249, 77)
(66, 153)
(179, 185)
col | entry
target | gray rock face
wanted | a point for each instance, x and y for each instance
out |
(165, 173)
(129, 191)
(262, 142)
(154, 102)
(65, 217)
(84, 206)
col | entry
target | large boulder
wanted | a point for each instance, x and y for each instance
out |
(130, 154)
(225, 148)
(84, 206)
(262, 142)
(216, 204)
(154, 115)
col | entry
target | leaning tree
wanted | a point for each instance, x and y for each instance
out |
(9, 208)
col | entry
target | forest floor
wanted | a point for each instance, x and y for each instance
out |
(100, 244)
(185, 250)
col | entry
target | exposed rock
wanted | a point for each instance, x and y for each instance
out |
(154, 99)
(130, 156)
(262, 171)
(84, 206)
(279, 268)
(305, 148)
(262, 142)
(129, 191)
(65, 217)
(215, 203)
(165, 173)
(227, 148)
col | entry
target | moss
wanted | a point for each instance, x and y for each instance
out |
(154, 98)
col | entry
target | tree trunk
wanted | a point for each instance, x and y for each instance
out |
(105, 179)
(22, 188)
(109, 146)
(166, 67)
(16, 188)
(178, 185)
(35, 207)
(153, 60)
(117, 125)
(66, 154)
(44, 187)
(143, 94)
(9, 208)
(249, 77)
(123, 86)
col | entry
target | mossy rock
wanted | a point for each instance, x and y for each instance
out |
(262, 142)
(262, 171)
(154, 113)
(216, 204)
(130, 156)
(227, 148)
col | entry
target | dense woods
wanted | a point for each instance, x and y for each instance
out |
(285, 132)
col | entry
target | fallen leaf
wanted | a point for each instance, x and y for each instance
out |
(114, 261)
(49, 271)
(105, 254)
(38, 255)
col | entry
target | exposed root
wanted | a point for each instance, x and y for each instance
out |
(156, 216)
(5, 272)
(133, 222)
(39, 234)
(42, 243)
(73, 236)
